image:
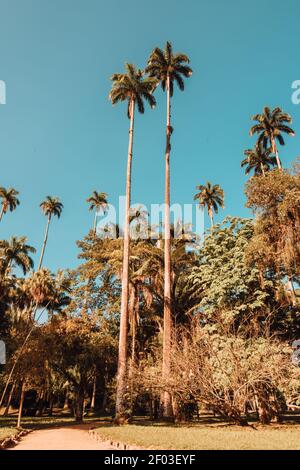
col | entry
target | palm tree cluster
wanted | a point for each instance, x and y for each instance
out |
(136, 86)
(270, 127)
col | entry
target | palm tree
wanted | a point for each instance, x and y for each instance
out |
(138, 220)
(211, 197)
(134, 88)
(9, 200)
(16, 252)
(97, 202)
(270, 127)
(258, 159)
(50, 206)
(168, 68)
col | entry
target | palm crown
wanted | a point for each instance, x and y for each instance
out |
(132, 85)
(9, 198)
(270, 127)
(97, 201)
(258, 160)
(164, 64)
(17, 251)
(52, 206)
(210, 196)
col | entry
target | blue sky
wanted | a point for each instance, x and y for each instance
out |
(59, 134)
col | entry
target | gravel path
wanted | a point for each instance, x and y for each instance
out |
(65, 438)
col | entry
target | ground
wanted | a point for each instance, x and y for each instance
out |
(205, 436)
(60, 432)
(66, 438)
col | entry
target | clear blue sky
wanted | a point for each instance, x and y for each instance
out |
(59, 134)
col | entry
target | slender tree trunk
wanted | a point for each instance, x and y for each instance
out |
(21, 405)
(45, 242)
(93, 401)
(66, 401)
(79, 405)
(274, 150)
(131, 312)
(2, 212)
(292, 289)
(211, 216)
(167, 334)
(51, 404)
(6, 411)
(123, 340)
(262, 169)
(95, 223)
(8, 266)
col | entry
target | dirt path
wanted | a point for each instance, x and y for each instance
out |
(65, 438)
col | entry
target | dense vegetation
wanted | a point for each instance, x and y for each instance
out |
(162, 326)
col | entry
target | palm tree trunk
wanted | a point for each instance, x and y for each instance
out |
(262, 169)
(45, 242)
(167, 334)
(93, 401)
(211, 216)
(123, 340)
(292, 289)
(2, 212)
(21, 405)
(274, 150)
(6, 411)
(95, 223)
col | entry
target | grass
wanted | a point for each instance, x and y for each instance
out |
(8, 423)
(210, 434)
(7, 431)
(204, 437)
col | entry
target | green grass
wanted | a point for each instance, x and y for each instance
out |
(8, 423)
(6, 432)
(206, 437)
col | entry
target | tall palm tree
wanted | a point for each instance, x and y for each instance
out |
(97, 202)
(134, 88)
(168, 68)
(211, 197)
(258, 159)
(51, 206)
(9, 200)
(16, 252)
(270, 127)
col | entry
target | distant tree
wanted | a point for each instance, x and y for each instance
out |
(16, 252)
(270, 127)
(9, 200)
(258, 160)
(211, 197)
(97, 202)
(51, 206)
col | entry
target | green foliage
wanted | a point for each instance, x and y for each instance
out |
(223, 282)
(52, 206)
(164, 64)
(211, 197)
(132, 85)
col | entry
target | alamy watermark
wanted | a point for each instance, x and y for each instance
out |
(146, 223)
(2, 92)
(296, 94)
(2, 352)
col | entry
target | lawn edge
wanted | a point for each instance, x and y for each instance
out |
(13, 439)
(117, 444)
